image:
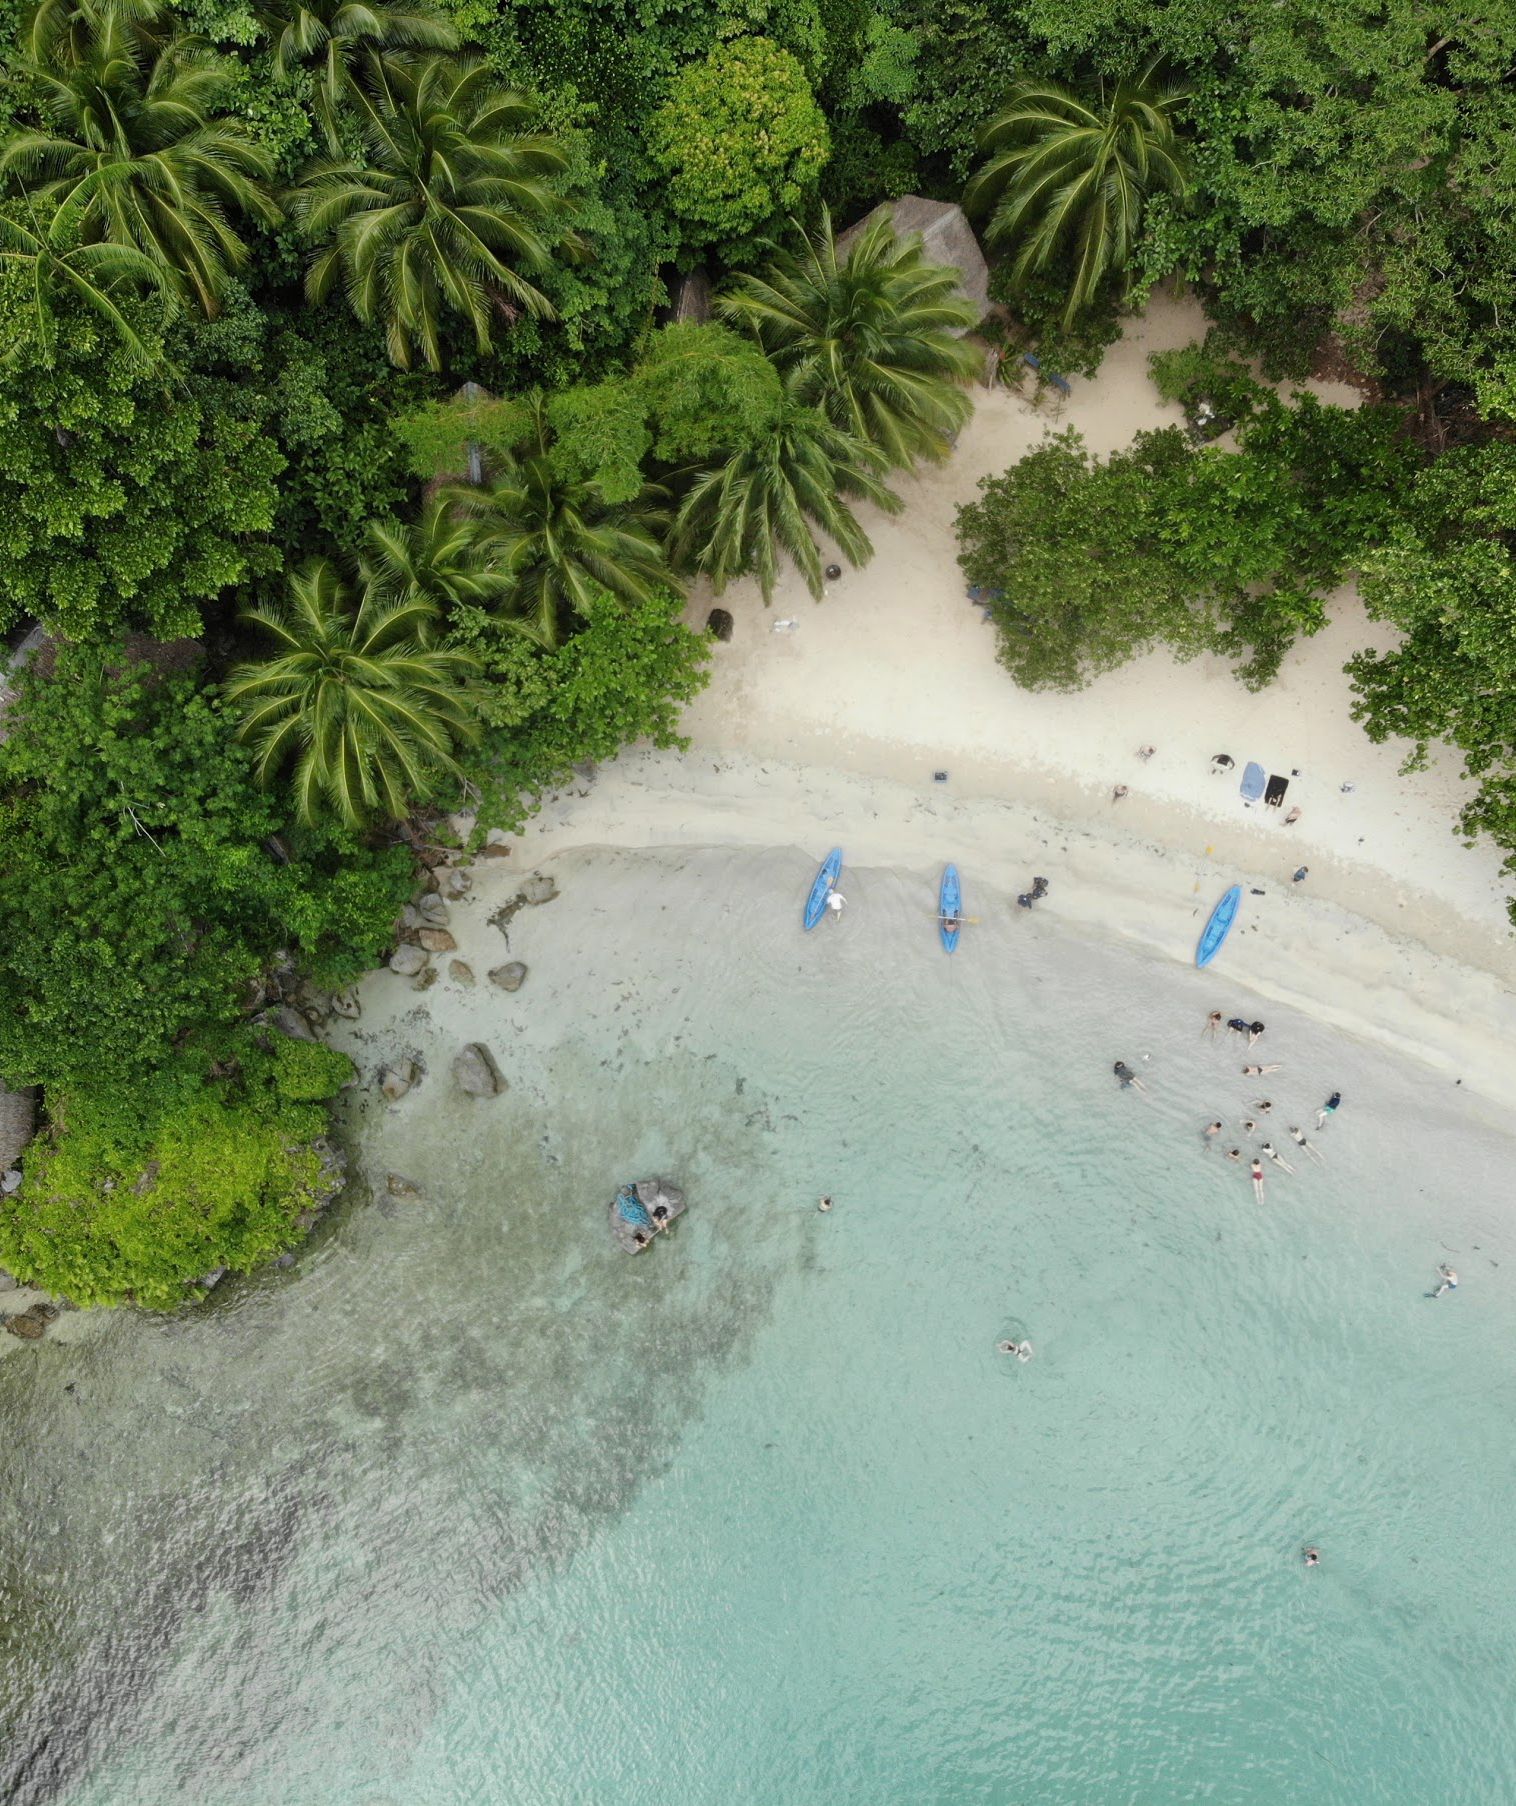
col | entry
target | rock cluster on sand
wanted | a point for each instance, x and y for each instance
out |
(476, 1073)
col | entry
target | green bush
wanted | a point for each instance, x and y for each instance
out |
(741, 140)
(133, 1193)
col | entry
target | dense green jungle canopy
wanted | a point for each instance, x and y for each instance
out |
(305, 592)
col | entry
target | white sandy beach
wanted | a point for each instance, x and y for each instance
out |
(832, 733)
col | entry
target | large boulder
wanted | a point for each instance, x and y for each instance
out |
(476, 1073)
(539, 888)
(436, 940)
(408, 960)
(509, 977)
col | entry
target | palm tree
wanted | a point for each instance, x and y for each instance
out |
(437, 560)
(329, 37)
(98, 275)
(775, 493)
(130, 149)
(449, 205)
(871, 339)
(1070, 176)
(554, 537)
(59, 33)
(359, 696)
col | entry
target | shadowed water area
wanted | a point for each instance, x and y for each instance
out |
(469, 1507)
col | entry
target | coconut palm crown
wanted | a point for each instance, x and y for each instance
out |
(450, 203)
(871, 338)
(773, 495)
(555, 539)
(130, 149)
(1071, 177)
(358, 697)
(336, 39)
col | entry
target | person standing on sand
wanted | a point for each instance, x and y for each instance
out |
(835, 903)
(1329, 1108)
(1257, 1178)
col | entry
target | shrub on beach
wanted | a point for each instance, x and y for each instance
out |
(133, 1194)
(1088, 563)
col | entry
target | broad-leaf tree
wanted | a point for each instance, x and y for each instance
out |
(125, 140)
(549, 530)
(452, 208)
(774, 496)
(339, 40)
(358, 699)
(1068, 179)
(1446, 579)
(872, 338)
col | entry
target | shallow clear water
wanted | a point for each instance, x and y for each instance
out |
(470, 1508)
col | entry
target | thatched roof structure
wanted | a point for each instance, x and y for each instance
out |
(18, 1121)
(946, 237)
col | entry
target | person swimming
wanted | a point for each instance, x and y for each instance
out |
(1257, 1177)
(1212, 1129)
(1447, 1280)
(1313, 1558)
(1212, 1022)
(1237, 1025)
(1255, 1029)
(1258, 1072)
(1247, 1125)
(1329, 1108)
(1127, 1076)
(1264, 1105)
(826, 1203)
(1021, 1350)
(1234, 1153)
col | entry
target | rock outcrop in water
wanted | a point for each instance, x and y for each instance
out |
(640, 1213)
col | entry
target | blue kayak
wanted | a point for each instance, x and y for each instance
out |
(826, 879)
(1219, 926)
(950, 903)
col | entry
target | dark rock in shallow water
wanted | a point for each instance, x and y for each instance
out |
(397, 1078)
(31, 1325)
(398, 1186)
(476, 1073)
(509, 977)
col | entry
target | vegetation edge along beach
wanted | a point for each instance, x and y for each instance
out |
(387, 394)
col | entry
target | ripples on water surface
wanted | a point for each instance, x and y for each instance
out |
(467, 1508)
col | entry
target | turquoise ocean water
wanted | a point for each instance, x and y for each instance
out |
(469, 1508)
